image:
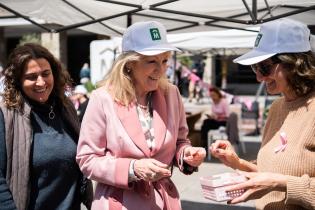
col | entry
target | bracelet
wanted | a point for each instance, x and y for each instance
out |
(132, 176)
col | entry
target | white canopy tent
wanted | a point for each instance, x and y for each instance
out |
(103, 52)
(203, 41)
(111, 17)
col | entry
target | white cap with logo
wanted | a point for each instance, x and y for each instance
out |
(278, 36)
(146, 38)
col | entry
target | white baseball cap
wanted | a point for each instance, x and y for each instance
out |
(278, 36)
(80, 89)
(146, 38)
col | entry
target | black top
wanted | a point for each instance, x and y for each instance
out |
(82, 108)
(54, 173)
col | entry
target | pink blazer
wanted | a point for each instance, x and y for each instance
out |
(111, 136)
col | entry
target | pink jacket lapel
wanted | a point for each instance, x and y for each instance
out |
(129, 118)
(159, 119)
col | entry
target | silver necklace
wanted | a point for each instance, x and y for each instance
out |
(51, 114)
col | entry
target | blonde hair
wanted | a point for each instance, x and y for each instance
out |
(118, 81)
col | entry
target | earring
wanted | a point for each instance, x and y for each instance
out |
(128, 70)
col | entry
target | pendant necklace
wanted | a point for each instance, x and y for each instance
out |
(51, 114)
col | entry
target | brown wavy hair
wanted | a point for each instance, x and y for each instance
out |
(217, 91)
(17, 62)
(300, 71)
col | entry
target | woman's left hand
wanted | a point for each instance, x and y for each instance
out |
(258, 185)
(194, 156)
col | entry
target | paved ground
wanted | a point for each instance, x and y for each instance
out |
(190, 190)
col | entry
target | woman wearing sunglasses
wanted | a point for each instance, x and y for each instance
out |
(283, 176)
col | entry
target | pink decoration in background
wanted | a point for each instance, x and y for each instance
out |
(248, 104)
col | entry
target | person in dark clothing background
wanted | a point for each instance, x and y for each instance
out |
(39, 129)
(80, 100)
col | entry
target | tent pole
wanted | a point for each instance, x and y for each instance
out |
(76, 25)
(174, 66)
(269, 9)
(227, 27)
(200, 15)
(254, 10)
(253, 17)
(298, 11)
(25, 17)
(129, 20)
(88, 15)
(224, 70)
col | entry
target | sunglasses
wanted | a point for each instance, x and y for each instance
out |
(263, 68)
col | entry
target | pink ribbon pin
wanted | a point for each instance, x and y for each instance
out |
(283, 141)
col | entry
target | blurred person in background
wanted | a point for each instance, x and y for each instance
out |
(218, 116)
(284, 175)
(80, 100)
(39, 130)
(193, 81)
(85, 73)
(134, 130)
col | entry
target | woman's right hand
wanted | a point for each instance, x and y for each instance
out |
(224, 151)
(150, 169)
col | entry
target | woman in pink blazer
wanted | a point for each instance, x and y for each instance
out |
(134, 129)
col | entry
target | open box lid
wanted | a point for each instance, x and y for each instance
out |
(223, 179)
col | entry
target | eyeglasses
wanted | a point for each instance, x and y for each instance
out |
(263, 68)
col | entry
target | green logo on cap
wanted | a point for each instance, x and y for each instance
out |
(155, 34)
(258, 38)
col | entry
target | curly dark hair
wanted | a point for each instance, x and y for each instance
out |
(300, 71)
(15, 68)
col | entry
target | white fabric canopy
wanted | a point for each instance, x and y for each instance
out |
(214, 39)
(103, 52)
(178, 16)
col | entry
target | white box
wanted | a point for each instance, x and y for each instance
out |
(213, 187)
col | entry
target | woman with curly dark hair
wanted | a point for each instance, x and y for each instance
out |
(284, 176)
(39, 129)
(19, 58)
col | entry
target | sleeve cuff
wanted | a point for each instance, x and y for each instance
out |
(122, 173)
(296, 189)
